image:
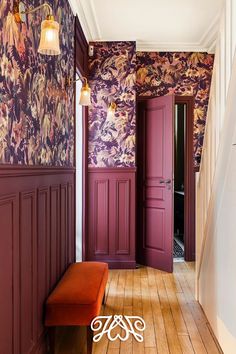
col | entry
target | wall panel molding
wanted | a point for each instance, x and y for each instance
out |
(37, 224)
(23, 170)
(101, 216)
(111, 209)
(122, 220)
(9, 274)
(28, 269)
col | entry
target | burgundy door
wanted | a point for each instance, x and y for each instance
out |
(155, 182)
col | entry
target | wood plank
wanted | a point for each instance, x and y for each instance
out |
(118, 306)
(149, 334)
(174, 305)
(138, 348)
(171, 333)
(127, 346)
(191, 325)
(102, 345)
(186, 344)
(187, 279)
(159, 326)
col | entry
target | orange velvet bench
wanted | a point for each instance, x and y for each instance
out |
(77, 299)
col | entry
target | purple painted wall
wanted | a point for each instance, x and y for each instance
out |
(118, 73)
(36, 114)
(112, 78)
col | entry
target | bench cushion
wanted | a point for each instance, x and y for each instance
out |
(77, 298)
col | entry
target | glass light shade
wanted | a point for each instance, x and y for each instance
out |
(85, 95)
(49, 40)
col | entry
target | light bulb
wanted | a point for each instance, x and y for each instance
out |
(50, 35)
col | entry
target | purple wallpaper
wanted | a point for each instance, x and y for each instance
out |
(117, 72)
(112, 78)
(165, 73)
(36, 114)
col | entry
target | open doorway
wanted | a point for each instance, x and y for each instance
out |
(165, 181)
(179, 162)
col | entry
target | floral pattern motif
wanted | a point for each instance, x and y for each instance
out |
(36, 112)
(118, 73)
(166, 73)
(112, 79)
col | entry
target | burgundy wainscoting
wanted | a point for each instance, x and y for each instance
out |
(37, 244)
(111, 216)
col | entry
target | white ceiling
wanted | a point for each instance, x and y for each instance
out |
(167, 25)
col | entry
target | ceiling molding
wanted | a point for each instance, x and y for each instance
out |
(91, 18)
(78, 9)
(89, 22)
(207, 42)
(170, 47)
(209, 38)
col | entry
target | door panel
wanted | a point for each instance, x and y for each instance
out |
(155, 182)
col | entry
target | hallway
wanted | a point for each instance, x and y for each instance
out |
(175, 322)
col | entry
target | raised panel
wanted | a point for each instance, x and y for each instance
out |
(28, 267)
(55, 233)
(155, 193)
(63, 220)
(111, 214)
(43, 248)
(122, 217)
(154, 236)
(9, 308)
(154, 128)
(101, 217)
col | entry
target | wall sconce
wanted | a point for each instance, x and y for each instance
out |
(111, 110)
(85, 93)
(49, 39)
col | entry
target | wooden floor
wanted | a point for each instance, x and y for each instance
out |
(175, 322)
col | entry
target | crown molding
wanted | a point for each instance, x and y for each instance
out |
(78, 10)
(88, 19)
(87, 15)
(170, 47)
(209, 38)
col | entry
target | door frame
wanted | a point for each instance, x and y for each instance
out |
(189, 176)
(189, 180)
(81, 68)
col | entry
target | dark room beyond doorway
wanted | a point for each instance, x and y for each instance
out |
(179, 161)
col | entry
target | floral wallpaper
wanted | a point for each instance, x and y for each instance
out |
(166, 73)
(36, 112)
(112, 78)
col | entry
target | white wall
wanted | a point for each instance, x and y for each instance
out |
(79, 176)
(216, 193)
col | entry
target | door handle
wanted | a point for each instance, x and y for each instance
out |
(165, 181)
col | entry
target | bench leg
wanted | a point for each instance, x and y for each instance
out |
(52, 339)
(89, 340)
(104, 298)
